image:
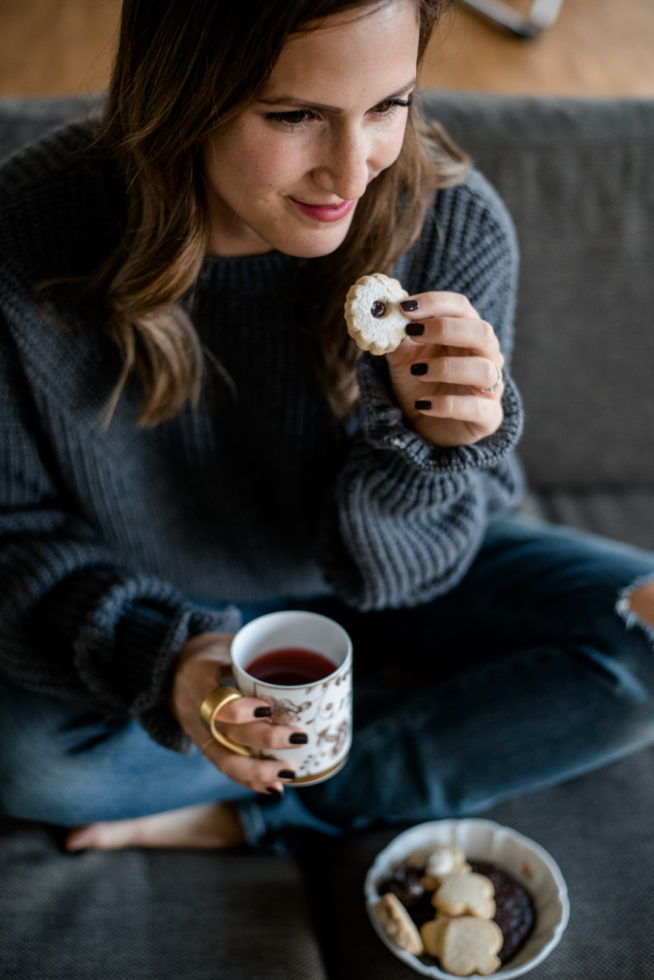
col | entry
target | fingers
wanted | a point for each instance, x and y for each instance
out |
(484, 413)
(446, 375)
(472, 334)
(264, 736)
(259, 775)
(243, 710)
(475, 372)
(450, 319)
(423, 306)
(240, 721)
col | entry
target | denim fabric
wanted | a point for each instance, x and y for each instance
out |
(529, 672)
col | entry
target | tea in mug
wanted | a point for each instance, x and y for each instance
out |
(291, 666)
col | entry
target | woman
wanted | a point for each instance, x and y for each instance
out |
(189, 439)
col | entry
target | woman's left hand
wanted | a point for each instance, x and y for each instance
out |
(452, 370)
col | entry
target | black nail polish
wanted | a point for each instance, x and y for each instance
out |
(274, 793)
(414, 329)
(298, 738)
(410, 305)
(263, 712)
(420, 368)
(285, 774)
(422, 405)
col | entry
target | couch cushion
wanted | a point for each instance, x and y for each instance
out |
(578, 178)
(137, 914)
(626, 515)
(23, 120)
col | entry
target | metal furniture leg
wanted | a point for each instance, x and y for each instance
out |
(542, 14)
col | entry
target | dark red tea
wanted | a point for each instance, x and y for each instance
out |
(291, 665)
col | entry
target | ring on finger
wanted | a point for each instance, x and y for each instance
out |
(209, 714)
(498, 381)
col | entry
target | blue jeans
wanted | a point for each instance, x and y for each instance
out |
(529, 672)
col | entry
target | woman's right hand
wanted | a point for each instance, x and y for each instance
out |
(203, 665)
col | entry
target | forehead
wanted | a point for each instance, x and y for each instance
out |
(370, 48)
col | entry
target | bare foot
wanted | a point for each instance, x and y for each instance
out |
(209, 825)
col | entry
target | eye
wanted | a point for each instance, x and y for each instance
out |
(391, 105)
(294, 117)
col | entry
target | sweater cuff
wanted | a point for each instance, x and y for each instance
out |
(156, 663)
(385, 427)
(127, 634)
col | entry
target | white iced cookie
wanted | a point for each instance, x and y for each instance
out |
(438, 861)
(373, 315)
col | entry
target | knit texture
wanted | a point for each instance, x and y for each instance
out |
(116, 540)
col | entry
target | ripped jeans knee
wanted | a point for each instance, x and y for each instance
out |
(636, 605)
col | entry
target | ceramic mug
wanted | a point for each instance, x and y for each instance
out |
(288, 650)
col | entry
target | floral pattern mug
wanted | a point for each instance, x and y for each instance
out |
(323, 707)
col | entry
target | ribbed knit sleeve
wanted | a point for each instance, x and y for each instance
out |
(407, 518)
(73, 622)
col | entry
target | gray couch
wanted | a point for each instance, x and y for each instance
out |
(578, 177)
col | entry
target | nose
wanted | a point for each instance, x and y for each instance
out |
(344, 168)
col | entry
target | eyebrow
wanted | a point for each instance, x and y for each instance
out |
(291, 100)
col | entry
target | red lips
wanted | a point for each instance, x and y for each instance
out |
(325, 212)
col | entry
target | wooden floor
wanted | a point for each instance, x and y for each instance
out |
(595, 48)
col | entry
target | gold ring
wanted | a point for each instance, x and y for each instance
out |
(209, 710)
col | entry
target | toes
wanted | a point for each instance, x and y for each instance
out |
(103, 836)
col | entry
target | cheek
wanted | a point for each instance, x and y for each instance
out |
(269, 165)
(239, 157)
(387, 148)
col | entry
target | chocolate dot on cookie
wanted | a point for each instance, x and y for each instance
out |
(378, 309)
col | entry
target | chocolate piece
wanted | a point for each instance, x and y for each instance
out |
(378, 309)
(405, 883)
(422, 911)
(515, 909)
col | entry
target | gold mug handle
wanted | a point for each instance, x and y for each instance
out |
(209, 709)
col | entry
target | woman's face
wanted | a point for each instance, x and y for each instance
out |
(288, 172)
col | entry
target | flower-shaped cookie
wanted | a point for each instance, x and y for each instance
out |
(465, 894)
(465, 945)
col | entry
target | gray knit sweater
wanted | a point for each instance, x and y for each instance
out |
(114, 542)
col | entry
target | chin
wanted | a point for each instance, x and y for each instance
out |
(310, 253)
(315, 249)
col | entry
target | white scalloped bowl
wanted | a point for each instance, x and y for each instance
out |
(483, 840)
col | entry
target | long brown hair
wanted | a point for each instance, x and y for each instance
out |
(180, 72)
